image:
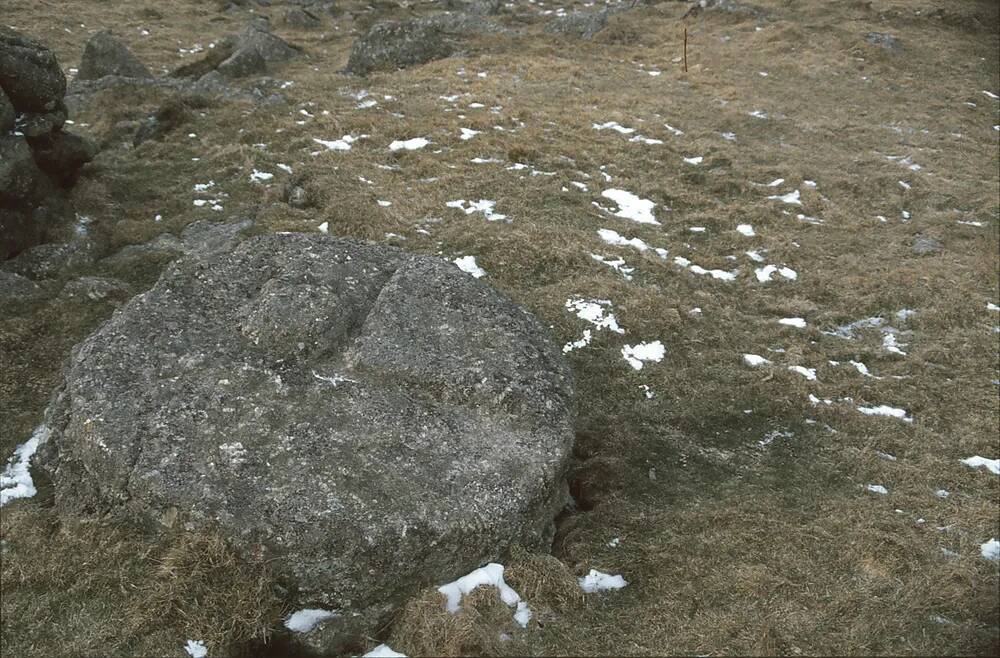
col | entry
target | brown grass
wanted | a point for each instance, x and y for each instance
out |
(728, 547)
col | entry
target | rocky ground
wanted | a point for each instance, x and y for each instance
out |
(773, 270)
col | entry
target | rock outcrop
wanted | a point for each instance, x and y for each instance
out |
(398, 45)
(105, 55)
(36, 154)
(254, 51)
(370, 420)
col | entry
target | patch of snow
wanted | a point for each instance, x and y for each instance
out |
(383, 651)
(990, 550)
(885, 410)
(942, 493)
(593, 311)
(729, 137)
(258, 176)
(342, 144)
(990, 306)
(991, 465)
(754, 360)
(324, 227)
(697, 160)
(673, 130)
(490, 575)
(636, 355)
(409, 144)
(792, 197)
(617, 265)
(285, 168)
(307, 619)
(468, 264)
(632, 207)
(196, 649)
(877, 488)
(484, 206)
(595, 581)
(799, 323)
(469, 133)
(808, 373)
(613, 125)
(745, 229)
(15, 481)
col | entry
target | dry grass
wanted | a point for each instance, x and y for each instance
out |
(728, 546)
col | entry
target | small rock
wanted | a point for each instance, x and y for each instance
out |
(886, 41)
(105, 55)
(924, 244)
(298, 197)
(301, 18)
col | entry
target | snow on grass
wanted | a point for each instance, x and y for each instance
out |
(674, 131)
(593, 311)
(383, 651)
(697, 160)
(863, 369)
(637, 355)
(307, 619)
(798, 323)
(595, 581)
(15, 481)
(890, 344)
(991, 465)
(614, 238)
(469, 133)
(490, 575)
(646, 140)
(722, 275)
(342, 144)
(632, 207)
(808, 373)
(484, 206)
(413, 144)
(990, 306)
(754, 360)
(990, 550)
(618, 265)
(885, 410)
(765, 273)
(793, 197)
(196, 649)
(468, 264)
(324, 227)
(878, 489)
(613, 125)
(745, 229)
(285, 168)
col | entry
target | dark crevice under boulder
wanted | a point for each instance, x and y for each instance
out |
(370, 421)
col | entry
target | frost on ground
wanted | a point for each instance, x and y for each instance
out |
(305, 620)
(15, 481)
(991, 465)
(596, 581)
(491, 575)
(636, 355)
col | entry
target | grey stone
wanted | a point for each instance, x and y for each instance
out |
(15, 288)
(583, 24)
(886, 41)
(96, 289)
(19, 175)
(255, 51)
(370, 421)
(730, 6)
(398, 45)
(52, 260)
(298, 197)
(39, 125)
(7, 113)
(29, 73)
(924, 245)
(105, 55)
(61, 154)
(301, 18)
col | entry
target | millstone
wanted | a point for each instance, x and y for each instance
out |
(370, 420)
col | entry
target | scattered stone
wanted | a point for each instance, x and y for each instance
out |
(398, 45)
(924, 245)
(886, 41)
(301, 18)
(52, 260)
(15, 288)
(582, 24)
(298, 197)
(368, 420)
(105, 55)
(29, 73)
(256, 50)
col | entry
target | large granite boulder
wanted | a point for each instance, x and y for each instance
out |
(105, 55)
(371, 421)
(398, 45)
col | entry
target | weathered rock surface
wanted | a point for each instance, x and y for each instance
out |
(583, 24)
(301, 18)
(29, 73)
(7, 114)
(925, 244)
(885, 41)
(397, 45)
(105, 55)
(371, 420)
